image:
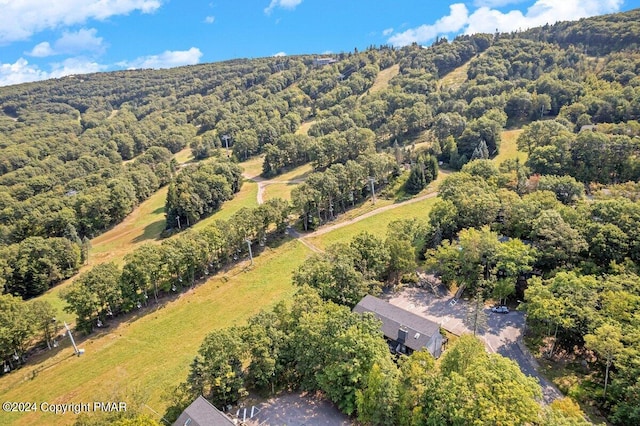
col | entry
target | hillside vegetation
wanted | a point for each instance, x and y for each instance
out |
(557, 108)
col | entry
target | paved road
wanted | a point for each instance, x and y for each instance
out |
(503, 334)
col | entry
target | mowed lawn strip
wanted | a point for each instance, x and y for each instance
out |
(509, 147)
(152, 353)
(143, 225)
(376, 224)
(247, 197)
(382, 79)
(278, 190)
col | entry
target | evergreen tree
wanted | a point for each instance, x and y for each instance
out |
(417, 181)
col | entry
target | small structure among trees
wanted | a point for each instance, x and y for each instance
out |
(202, 413)
(405, 332)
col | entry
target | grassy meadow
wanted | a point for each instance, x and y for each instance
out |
(375, 224)
(509, 148)
(150, 352)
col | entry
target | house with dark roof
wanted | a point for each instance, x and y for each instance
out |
(202, 413)
(405, 331)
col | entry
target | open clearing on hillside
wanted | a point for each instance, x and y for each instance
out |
(152, 352)
(376, 224)
(455, 78)
(304, 127)
(382, 79)
(509, 147)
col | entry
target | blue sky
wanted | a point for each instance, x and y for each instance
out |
(41, 39)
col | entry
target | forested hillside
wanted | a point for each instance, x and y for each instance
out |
(78, 154)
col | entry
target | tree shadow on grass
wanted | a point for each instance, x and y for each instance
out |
(152, 231)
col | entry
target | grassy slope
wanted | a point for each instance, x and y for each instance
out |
(253, 166)
(383, 78)
(304, 127)
(278, 190)
(455, 78)
(143, 225)
(508, 147)
(245, 198)
(152, 352)
(376, 225)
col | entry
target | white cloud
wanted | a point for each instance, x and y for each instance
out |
(22, 72)
(495, 3)
(80, 41)
(453, 22)
(21, 19)
(72, 66)
(285, 4)
(542, 12)
(279, 54)
(209, 19)
(71, 43)
(387, 32)
(167, 59)
(42, 50)
(487, 20)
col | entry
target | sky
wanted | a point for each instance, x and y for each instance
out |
(41, 39)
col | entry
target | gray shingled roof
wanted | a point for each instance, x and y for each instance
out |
(202, 413)
(420, 330)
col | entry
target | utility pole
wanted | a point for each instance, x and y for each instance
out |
(373, 189)
(73, 342)
(248, 241)
(226, 138)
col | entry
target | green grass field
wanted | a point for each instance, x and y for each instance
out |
(300, 172)
(455, 78)
(376, 225)
(278, 190)
(383, 78)
(184, 156)
(247, 197)
(253, 166)
(304, 127)
(152, 352)
(509, 148)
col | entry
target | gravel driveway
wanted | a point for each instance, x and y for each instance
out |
(298, 410)
(503, 334)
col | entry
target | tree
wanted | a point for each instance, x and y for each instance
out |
(377, 402)
(371, 255)
(606, 340)
(476, 317)
(334, 351)
(566, 188)
(416, 181)
(17, 327)
(474, 387)
(336, 277)
(558, 243)
(216, 372)
(402, 258)
(44, 316)
(471, 259)
(414, 375)
(94, 296)
(141, 274)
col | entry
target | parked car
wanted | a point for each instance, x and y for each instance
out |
(500, 309)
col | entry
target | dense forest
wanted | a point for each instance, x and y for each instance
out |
(559, 230)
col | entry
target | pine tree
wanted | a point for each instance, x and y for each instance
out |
(416, 181)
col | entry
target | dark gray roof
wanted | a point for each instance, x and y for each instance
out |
(202, 413)
(419, 329)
